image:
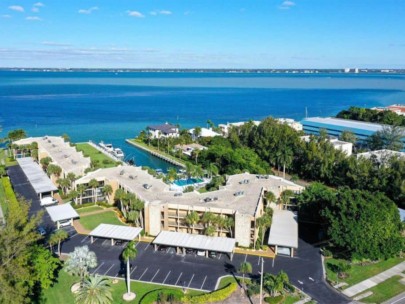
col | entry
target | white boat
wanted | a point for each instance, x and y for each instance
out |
(102, 145)
(109, 148)
(118, 153)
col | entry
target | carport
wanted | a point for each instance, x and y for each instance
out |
(37, 177)
(115, 232)
(62, 213)
(183, 241)
(284, 232)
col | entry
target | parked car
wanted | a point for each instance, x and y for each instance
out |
(41, 230)
(200, 252)
(212, 254)
(48, 200)
(65, 223)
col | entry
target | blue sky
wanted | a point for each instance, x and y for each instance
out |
(203, 33)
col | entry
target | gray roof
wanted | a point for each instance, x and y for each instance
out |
(62, 212)
(116, 232)
(284, 229)
(36, 176)
(164, 128)
(195, 241)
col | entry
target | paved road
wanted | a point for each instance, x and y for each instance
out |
(399, 299)
(304, 270)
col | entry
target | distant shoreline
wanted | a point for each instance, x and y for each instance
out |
(242, 71)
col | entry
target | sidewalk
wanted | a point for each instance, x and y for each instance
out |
(375, 280)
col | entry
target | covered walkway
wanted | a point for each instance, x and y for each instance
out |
(182, 241)
(116, 232)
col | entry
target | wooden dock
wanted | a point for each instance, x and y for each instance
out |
(156, 154)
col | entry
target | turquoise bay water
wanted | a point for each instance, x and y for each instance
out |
(115, 106)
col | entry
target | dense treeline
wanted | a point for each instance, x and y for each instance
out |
(363, 114)
(359, 224)
(258, 148)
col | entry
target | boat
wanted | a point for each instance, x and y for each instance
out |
(117, 152)
(109, 148)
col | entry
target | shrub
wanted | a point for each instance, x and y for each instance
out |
(188, 189)
(274, 300)
(161, 296)
(104, 204)
(215, 296)
(253, 288)
(77, 206)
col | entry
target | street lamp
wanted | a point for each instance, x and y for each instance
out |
(261, 282)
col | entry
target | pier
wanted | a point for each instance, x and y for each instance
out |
(156, 154)
(104, 152)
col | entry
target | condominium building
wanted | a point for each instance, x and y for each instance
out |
(241, 199)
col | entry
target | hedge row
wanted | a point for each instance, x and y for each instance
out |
(161, 295)
(274, 300)
(215, 296)
(8, 189)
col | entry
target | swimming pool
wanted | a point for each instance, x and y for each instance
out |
(187, 182)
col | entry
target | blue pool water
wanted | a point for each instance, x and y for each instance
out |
(187, 182)
(111, 107)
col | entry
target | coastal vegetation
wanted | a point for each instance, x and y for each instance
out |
(98, 159)
(369, 115)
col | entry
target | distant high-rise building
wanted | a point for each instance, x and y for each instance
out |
(347, 70)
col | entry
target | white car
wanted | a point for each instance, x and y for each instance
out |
(49, 200)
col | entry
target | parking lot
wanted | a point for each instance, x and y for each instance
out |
(188, 271)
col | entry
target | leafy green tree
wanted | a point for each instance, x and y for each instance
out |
(245, 268)
(285, 198)
(54, 170)
(129, 253)
(45, 162)
(79, 262)
(16, 135)
(270, 197)
(275, 283)
(81, 189)
(45, 266)
(348, 136)
(196, 132)
(172, 174)
(107, 190)
(94, 290)
(210, 231)
(66, 137)
(19, 272)
(390, 137)
(229, 224)
(71, 177)
(64, 183)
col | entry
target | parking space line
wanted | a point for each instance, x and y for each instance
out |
(82, 241)
(133, 270)
(166, 277)
(109, 269)
(245, 257)
(203, 282)
(258, 261)
(190, 281)
(178, 279)
(155, 275)
(98, 267)
(73, 235)
(143, 273)
(146, 247)
(220, 255)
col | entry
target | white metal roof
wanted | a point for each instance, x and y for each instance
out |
(116, 232)
(36, 176)
(62, 212)
(195, 241)
(284, 229)
(354, 124)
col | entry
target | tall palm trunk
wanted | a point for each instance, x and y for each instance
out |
(128, 279)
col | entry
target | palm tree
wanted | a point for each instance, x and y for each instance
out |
(172, 174)
(58, 237)
(191, 219)
(198, 171)
(285, 197)
(245, 268)
(129, 253)
(54, 170)
(229, 224)
(120, 195)
(212, 170)
(107, 190)
(71, 177)
(95, 289)
(270, 197)
(285, 157)
(64, 183)
(93, 184)
(189, 170)
(81, 189)
(208, 218)
(196, 132)
(210, 231)
(194, 154)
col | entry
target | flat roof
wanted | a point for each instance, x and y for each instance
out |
(284, 229)
(353, 124)
(195, 241)
(116, 232)
(62, 212)
(133, 178)
(36, 176)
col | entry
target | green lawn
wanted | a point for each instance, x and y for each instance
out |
(88, 209)
(6, 193)
(61, 290)
(101, 160)
(386, 290)
(92, 221)
(8, 161)
(359, 273)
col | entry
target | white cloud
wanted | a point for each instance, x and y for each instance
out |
(35, 9)
(39, 4)
(135, 14)
(52, 43)
(88, 11)
(287, 4)
(5, 16)
(33, 18)
(161, 12)
(16, 8)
